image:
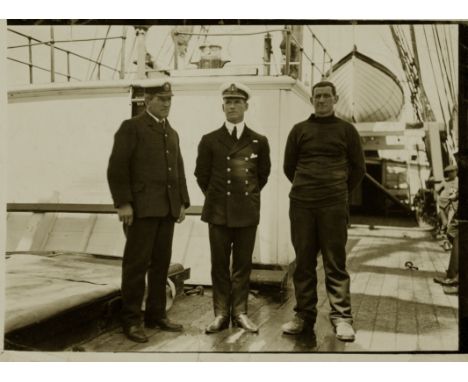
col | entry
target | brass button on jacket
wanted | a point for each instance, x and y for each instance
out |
(231, 183)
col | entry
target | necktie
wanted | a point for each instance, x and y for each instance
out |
(234, 133)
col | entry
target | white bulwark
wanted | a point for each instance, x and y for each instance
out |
(60, 137)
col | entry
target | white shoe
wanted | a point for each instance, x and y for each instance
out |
(344, 331)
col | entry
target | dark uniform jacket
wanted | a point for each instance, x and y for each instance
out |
(231, 175)
(146, 168)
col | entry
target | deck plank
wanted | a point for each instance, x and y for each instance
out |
(395, 309)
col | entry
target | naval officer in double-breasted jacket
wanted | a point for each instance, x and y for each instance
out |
(232, 167)
(147, 182)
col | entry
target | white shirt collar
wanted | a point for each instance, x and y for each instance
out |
(240, 127)
(154, 117)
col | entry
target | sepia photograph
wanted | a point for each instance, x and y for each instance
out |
(210, 188)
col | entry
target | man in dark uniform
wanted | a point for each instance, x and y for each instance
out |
(147, 182)
(325, 162)
(232, 167)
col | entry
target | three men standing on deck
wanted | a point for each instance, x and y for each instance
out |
(232, 167)
(147, 182)
(324, 161)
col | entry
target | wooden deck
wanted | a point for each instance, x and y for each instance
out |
(396, 309)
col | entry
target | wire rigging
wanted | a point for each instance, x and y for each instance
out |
(121, 52)
(91, 53)
(130, 56)
(449, 57)
(446, 87)
(411, 80)
(451, 52)
(450, 70)
(101, 52)
(442, 66)
(433, 72)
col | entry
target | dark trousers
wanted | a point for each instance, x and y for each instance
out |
(313, 230)
(452, 271)
(147, 252)
(231, 289)
(452, 235)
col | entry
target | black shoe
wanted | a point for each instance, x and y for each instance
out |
(299, 325)
(295, 326)
(164, 324)
(135, 333)
(242, 321)
(218, 324)
(450, 289)
(445, 281)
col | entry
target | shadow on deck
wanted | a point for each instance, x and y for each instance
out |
(395, 309)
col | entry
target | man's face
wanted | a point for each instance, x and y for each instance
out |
(234, 108)
(159, 106)
(324, 101)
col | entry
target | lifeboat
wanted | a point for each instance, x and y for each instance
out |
(367, 90)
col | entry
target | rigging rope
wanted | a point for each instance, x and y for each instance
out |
(433, 72)
(451, 141)
(119, 57)
(450, 49)
(91, 54)
(451, 74)
(101, 55)
(450, 59)
(441, 70)
(405, 43)
(130, 56)
(409, 73)
(442, 66)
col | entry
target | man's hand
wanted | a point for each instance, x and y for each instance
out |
(126, 214)
(453, 196)
(181, 215)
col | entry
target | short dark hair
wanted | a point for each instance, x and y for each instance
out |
(323, 84)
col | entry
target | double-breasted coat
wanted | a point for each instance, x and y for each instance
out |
(146, 168)
(231, 175)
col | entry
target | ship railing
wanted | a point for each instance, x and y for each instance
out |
(35, 42)
(303, 56)
(298, 57)
(79, 208)
(307, 64)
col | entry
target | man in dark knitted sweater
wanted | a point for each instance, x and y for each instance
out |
(325, 162)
